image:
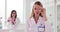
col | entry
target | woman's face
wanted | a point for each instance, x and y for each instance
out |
(13, 14)
(37, 9)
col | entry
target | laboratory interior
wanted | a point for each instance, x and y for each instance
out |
(24, 7)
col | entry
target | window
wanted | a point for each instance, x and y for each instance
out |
(15, 5)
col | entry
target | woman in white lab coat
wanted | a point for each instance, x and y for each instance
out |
(38, 20)
(13, 23)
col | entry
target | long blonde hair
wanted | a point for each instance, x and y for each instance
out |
(38, 3)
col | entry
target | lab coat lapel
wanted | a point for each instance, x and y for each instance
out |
(32, 19)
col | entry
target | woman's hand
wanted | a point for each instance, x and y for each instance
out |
(43, 12)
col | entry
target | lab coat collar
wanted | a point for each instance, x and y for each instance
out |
(40, 18)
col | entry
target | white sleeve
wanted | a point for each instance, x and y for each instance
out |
(18, 23)
(27, 25)
(47, 26)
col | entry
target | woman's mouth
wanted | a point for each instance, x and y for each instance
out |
(37, 12)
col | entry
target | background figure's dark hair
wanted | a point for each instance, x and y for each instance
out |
(15, 13)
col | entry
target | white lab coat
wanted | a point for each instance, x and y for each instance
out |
(12, 27)
(31, 26)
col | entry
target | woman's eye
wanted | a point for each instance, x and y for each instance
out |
(35, 8)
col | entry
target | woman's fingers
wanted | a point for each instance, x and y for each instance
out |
(44, 10)
(44, 13)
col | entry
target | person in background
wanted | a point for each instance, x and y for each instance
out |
(13, 21)
(38, 21)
